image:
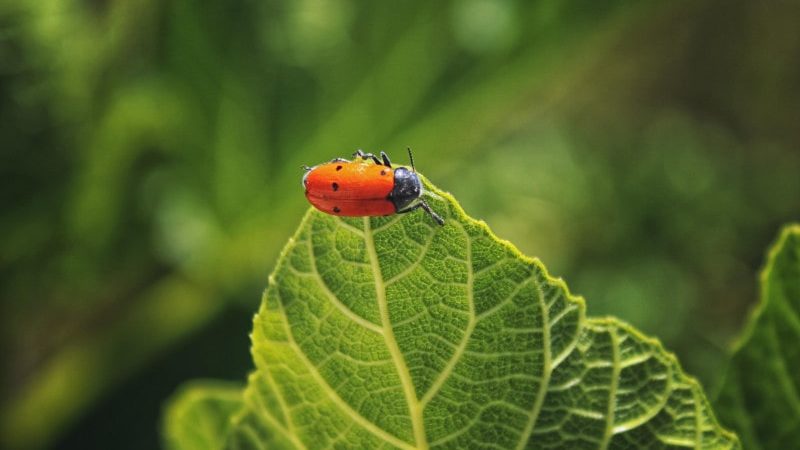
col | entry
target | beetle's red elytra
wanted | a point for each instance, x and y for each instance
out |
(366, 186)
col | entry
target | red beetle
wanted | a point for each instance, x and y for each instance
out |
(359, 188)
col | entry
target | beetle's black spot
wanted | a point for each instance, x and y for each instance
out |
(336, 209)
(383, 172)
(338, 168)
(335, 186)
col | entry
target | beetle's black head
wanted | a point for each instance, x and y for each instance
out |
(407, 188)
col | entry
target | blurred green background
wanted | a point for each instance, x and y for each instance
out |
(150, 155)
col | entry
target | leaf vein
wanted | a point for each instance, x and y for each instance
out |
(437, 384)
(288, 431)
(332, 394)
(504, 302)
(546, 372)
(414, 265)
(612, 389)
(349, 313)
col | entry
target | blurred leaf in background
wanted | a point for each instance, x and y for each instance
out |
(150, 153)
(758, 393)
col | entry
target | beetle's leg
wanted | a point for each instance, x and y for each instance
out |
(385, 158)
(305, 167)
(372, 157)
(360, 154)
(339, 160)
(424, 205)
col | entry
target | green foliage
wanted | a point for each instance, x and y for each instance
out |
(149, 156)
(200, 415)
(396, 333)
(760, 397)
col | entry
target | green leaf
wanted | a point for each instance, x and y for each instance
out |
(396, 333)
(760, 396)
(199, 415)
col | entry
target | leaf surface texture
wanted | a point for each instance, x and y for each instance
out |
(393, 332)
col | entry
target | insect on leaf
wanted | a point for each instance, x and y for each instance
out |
(394, 332)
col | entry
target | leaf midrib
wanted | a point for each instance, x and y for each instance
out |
(330, 391)
(414, 406)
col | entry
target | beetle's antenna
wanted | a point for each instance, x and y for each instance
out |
(411, 157)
